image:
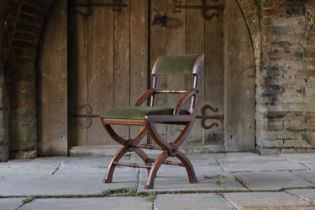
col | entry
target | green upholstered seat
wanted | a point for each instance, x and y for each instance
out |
(170, 65)
(138, 113)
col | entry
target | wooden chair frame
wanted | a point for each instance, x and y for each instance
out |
(149, 128)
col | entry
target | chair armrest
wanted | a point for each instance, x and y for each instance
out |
(144, 96)
(183, 99)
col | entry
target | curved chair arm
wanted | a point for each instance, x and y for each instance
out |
(184, 99)
(144, 96)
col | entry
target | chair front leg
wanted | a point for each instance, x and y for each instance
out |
(129, 145)
(170, 149)
(111, 167)
(155, 167)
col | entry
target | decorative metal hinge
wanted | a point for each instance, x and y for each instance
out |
(204, 7)
(205, 117)
(117, 6)
(85, 111)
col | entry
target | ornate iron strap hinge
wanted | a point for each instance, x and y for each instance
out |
(205, 117)
(117, 6)
(204, 7)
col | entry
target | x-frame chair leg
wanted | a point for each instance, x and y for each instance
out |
(128, 146)
(170, 150)
(111, 167)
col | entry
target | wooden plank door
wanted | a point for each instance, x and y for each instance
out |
(187, 32)
(108, 65)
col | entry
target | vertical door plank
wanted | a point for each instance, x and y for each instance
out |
(175, 46)
(158, 47)
(100, 68)
(195, 45)
(239, 82)
(138, 50)
(214, 75)
(121, 63)
(78, 84)
(53, 82)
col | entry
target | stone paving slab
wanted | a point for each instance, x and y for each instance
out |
(267, 200)
(303, 157)
(108, 203)
(66, 183)
(10, 203)
(237, 163)
(85, 162)
(306, 194)
(201, 170)
(205, 159)
(81, 171)
(89, 165)
(196, 159)
(191, 201)
(210, 179)
(94, 151)
(311, 165)
(274, 180)
(83, 175)
(307, 159)
(238, 155)
(307, 175)
(42, 166)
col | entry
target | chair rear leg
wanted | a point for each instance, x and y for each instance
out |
(155, 167)
(111, 167)
(189, 167)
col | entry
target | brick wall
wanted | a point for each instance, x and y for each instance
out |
(22, 74)
(9, 10)
(286, 80)
(24, 21)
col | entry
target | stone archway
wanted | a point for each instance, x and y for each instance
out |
(28, 24)
(24, 24)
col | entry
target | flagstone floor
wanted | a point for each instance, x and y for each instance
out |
(226, 181)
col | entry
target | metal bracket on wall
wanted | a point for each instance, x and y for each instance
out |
(160, 18)
(86, 112)
(205, 117)
(117, 6)
(204, 7)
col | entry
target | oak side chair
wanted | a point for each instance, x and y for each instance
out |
(148, 116)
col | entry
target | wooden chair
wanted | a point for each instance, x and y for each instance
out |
(148, 116)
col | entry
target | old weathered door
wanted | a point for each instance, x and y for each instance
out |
(113, 50)
(108, 65)
(188, 31)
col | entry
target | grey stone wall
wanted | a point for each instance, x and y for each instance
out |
(286, 80)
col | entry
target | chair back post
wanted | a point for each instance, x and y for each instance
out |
(155, 86)
(194, 97)
(197, 72)
(155, 82)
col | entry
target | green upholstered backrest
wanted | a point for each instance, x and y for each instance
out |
(172, 65)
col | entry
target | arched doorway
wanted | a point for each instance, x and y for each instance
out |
(109, 57)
